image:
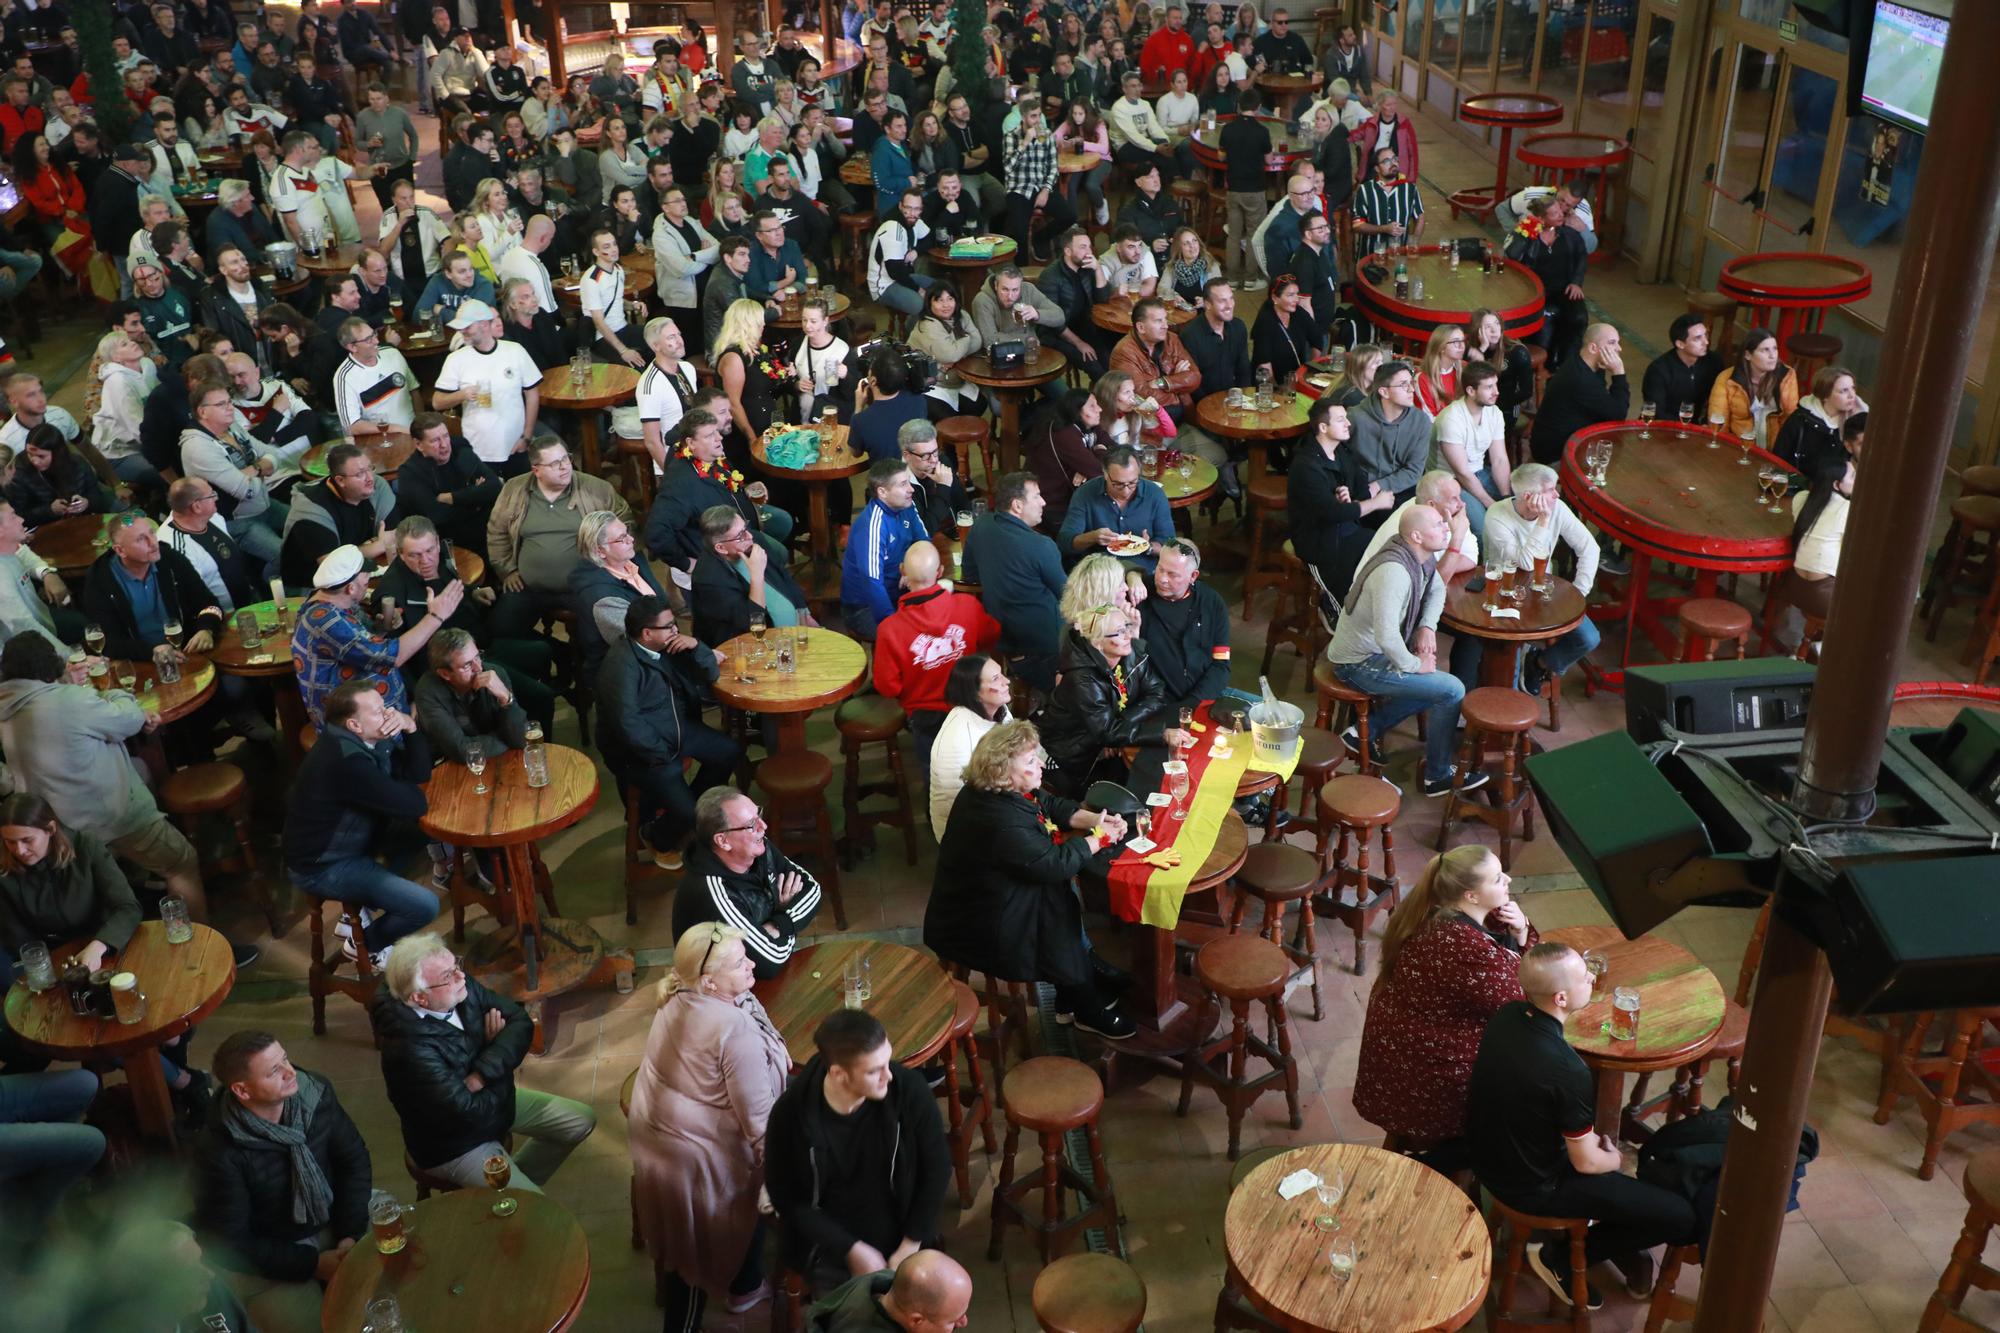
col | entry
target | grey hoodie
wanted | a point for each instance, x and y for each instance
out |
(305, 508)
(67, 744)
(987, 313)
(1392, 454)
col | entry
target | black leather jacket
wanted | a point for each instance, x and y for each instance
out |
(1082, 715)
(424, 1064)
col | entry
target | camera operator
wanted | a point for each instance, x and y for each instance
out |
(887, 397)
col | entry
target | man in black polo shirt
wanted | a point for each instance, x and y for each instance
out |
(1529, 1122)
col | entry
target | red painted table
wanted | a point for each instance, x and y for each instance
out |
(1561, 157)
(1799, 285)
(1514, 294)
(1507, 112)
(1672, 497)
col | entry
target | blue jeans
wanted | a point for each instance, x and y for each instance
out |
(1571, 648)
(778, 525)
(42, 1152)
(1405, 693)
(25, 266)
(1475, 511)
(262, 537)
(405, 907)
(905, 299)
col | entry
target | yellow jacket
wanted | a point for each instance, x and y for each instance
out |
(1731, 401)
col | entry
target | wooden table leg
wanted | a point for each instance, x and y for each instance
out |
(822, 538)
(1610, 1102)
(1010, 429)
(1258, 464)
(1499, 663)
(588, 439)
(791, 732)
(518, 876)
(151, 1101)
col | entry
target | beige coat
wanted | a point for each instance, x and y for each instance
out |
(712, 1069)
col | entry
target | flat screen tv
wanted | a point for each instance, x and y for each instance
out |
(1905, 54)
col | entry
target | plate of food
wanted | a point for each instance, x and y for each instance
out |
(1130, 544)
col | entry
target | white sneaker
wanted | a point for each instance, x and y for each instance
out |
(345, 927)
(1103, 213)
(377, 958)
(1254, 284)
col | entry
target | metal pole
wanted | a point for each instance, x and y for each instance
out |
(1940, 284)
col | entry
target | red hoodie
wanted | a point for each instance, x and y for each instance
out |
(917, 646)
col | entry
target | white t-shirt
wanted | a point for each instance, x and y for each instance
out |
(15, 436)
(296, 191)
(605, 295)
(1115, 270)
(663, 397)
(379, 393)
(520, 262)
(508, 371)
(1475, 435)
(333, 175)
(823, 364)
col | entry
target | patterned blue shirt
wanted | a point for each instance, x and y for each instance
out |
(333, 645)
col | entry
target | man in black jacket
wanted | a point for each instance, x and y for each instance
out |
(447, 483)
(468, 163)
(358, 785)
(1684, 373)
(1219, 345)
(1558, 257)
(735, 575)
(1589, 389)
(1187, 627)
(697, 479)
(282, 1180)
(138, 587)
(114, 208)
(649, 700)
(736, 877)
(1020, 577)
(855, 1157)
(461, 699)
(449, 1050)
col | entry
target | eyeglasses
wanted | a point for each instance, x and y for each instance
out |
(714, 938)
(756, 821)
(553, 462)
(457, 973)
(920, 454)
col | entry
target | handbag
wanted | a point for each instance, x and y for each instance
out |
(1008, 354)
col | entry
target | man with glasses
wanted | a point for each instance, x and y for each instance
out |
(198, 534)
(1313, 266)
(1282, 230)
(777, 265)
(462, 699)
(938, 493)
(650, 692)
(1387, 207)
(449, 1051)
(735, 876)
(1187, 627)
(1109, 511)
(1392, 438)
(374, 389)
(531, 533)
(741, 573)
(350, 507)
(239, 469)
(1282, 51)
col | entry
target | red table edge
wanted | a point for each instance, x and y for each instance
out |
(1551, 112)
(1751, 555)
(1571, 161)
(1394, 315)
(1854, 289)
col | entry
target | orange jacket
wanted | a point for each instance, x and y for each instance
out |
(1182, 376)
(1730, 401)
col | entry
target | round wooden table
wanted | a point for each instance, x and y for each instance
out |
(462, 1267)
(533, 956)
(911, 995)
(72, 545)
(1680, 1015)
(332, 259)
(1186, 492)
(832, 668)
(1257, 429)
(1800, 285)
(1279, 161)
(640, 274)
(1542, 619)
(1514, 294)
(1074, 164)
(183, 984)
(1114, 313)
(1009, 389)
(1670, 497)
(386, 454)
(835, 465)
(172, 702)
(607, 385)
(1594, 158)
(1424, 1255)
(271, 660)
(1506, 112)
(198, 200)
(419, 342)
(968, 272)
(1283, 91)
(791, 310)
(857, 171)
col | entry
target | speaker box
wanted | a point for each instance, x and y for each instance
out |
(1624, 826)
(1914, 934)
(1717, 698)
(1969, 752)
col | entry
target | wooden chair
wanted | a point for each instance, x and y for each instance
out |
(219, 788)
(1516, 1230)
(1336, 695)
(963, 435)
(799, 823)
(1709, 622)
(1267, 497)
(1278, 875)
(1089, 1293)
(1050, 1096)
(1295, 621)
(1962, 556)
(1321, 753)
(1665, 1305)
(640, 865)
(874, 719)
(1242, 970)
(1809, 349)
(965, 1110)
(1352, 806)
(1966, 1268)
(1502, 718)
(1009, 1018)
(1951, 1091)
(323, 976)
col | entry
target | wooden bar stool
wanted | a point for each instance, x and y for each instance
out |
(1242, 970)
(1809, 349)
(218, 788)
(1049, 1096)
(796, 785)
(965, 1110)
(1295, 621)
(1538, 362)
(1009, 1018)
(1666, 1306)
(874, 719)
(1951, 1091)
(1336, 694)
(1089, 1293)
(1277, 875)
(1719, 313)
(1980, 479)
(1966, 1268)
(1354, 805)
(1516, 1230)
(1195, 200)
(323, 976)
(1971, 515)
(962, 435)
(1709, 622)
(1268, 496)
(635, 470)
(1321, 753)
(1502, 718)
(854, 230)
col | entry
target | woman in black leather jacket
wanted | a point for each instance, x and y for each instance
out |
(1489, 342)
(1108, 696)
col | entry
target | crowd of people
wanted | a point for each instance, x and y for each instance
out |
(227, 438)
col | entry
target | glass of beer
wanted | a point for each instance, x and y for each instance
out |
(128, 1002)
(499, 1171)
(1686, 415)
(246, 629)
(759, 622)
(1715, 431)
(475, 764)
(1647, 411)
(174, 916)
(93, 640)
(383, 1315)
(1597, 965)
(100, 674)
(387, 1218)
(37, 968)
(1624, 1023)
(128, 679)
(1538, 581)
(1745, 440)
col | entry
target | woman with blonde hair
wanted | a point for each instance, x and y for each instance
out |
(1437, 372)
(753, 394)
(1188, 266)
(604, 582)
(1351, 389)
(1451, 956)
(1101, 580)
(470, 234)
(125, 376)
(1487, 341)
(499, 225)
(714, 1065)
(1107, 698)
(1754, 396)
(1002, 901)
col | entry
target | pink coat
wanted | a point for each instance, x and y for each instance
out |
(712, 1069)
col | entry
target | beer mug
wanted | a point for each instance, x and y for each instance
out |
(390, 1220)
(174, 916)
(383, 1316)
(37, 969)
(246, 630)
(1624, 1014)
(167, 662)
(128, 1002)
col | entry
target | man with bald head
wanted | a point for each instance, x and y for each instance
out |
(1386, 644)
(524, 261)
(1530, 1126)
(928, 1291)
(918, 643)
(1586, 390)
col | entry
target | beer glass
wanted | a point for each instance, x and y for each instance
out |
(128, 679)
(383, 1315)
(1647, 411)
(1624, 1014)
(128, 1002)
(174, 916)
(1715, 427)
(278, 600)
(1342, 1256)
(389, 1220)
(37, 969)
(475, 764)
(93, 640)
(1329, 1190)
(499, 1171)
(1495, 571)
(1597, 965)
(857, 981)
(247, 630)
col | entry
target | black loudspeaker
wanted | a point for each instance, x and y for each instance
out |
(1624, 827)
(1908, 935)
(1717, 698)
(1969, 752)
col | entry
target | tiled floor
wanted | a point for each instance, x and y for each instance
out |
(1862, 1252)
